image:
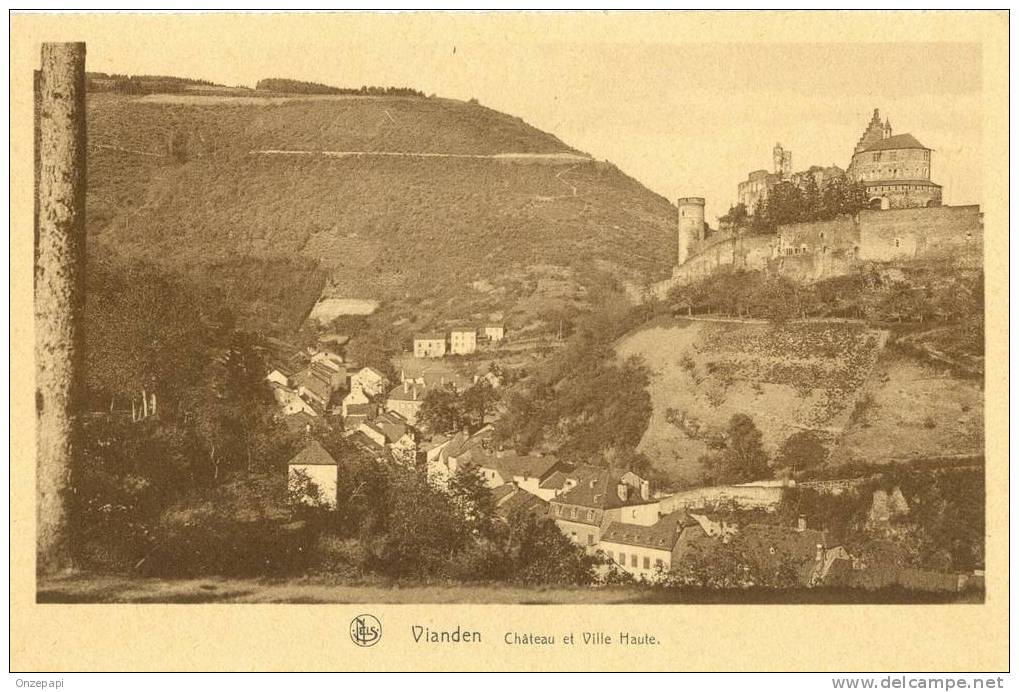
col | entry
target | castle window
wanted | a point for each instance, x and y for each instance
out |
(877, 156)
(824, 250)
(896, 242)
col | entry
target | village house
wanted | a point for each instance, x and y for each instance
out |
(355, 402)
(315, 387)
(434, 375)
(392, 432)
(291, 402)
(509, 498)
(315, 463)
(369, 380)
(599, 497)
(435, 467)
(493, 332)
(406, 399)
(527, 472)
(300, 422)
(327, 367)
(463, 340)
(463, 448)
(429, 345)
(280, 375)
(645, 551)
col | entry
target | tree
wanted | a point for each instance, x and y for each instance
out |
(736, 217)
(842, 196)
(420, 532)
(802, 451)
(542, 554)
(473, 498)
(739, 454)
(442, 411)
(478, 401)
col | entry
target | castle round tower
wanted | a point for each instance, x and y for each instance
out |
(691, 225)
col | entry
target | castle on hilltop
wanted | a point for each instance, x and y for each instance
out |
(904, 218)
(896, 169)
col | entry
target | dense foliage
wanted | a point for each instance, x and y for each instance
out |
(788, 202)
(738, 455)
(583, 402)
(294, 86)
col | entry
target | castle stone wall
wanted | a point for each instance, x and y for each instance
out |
(922, 232)
(822, 249)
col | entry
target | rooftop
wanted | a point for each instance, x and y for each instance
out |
(596, 488)
(904, 141)
(430, 336)
(660, 536)
(314, 454)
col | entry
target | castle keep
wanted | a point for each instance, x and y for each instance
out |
(905, 218)
(896, 169)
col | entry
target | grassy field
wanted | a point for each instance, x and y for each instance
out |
(85, 588)
(914, 409)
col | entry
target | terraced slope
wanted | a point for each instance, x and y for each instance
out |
(798, 376)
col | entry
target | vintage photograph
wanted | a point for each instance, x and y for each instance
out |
(510, 322)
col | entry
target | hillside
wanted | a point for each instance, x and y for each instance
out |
(869, 402)
(180, 179)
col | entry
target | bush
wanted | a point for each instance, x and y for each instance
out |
(231, 548)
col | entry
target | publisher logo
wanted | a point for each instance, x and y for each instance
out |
(365, 630)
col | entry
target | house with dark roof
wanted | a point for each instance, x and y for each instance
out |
(406, 399)
(315, 387)
(319, 467)
(509, 498)
(393, 433)
(645, 551)
(598, 496)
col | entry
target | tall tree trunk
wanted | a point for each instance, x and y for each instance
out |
(59, 296)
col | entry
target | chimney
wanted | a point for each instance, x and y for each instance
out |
(406, 386)
(645, 490)
(622, 491)
(801, 524)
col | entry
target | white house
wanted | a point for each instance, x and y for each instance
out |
(291, 402)
(277, 376)
(643, 551)
(463, 340)
(406, 399)
(430, 345)
(356, 397)
(494, 332)
(369, 380)
(320, 468)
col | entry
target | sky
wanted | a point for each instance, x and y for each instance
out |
(684, 118)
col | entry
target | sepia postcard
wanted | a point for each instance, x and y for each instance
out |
(509, 341)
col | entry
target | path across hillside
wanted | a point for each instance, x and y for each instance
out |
(563, 157)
